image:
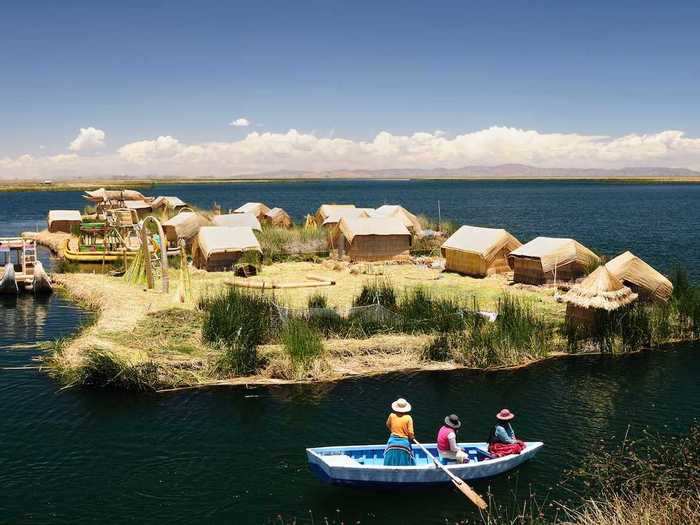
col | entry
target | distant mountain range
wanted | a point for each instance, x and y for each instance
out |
(480, 172)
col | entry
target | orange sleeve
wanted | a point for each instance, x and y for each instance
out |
(411, 435)
(388, 422)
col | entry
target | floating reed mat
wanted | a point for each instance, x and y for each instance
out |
(313, 281)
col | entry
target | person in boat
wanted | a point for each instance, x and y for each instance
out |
(398, 451)
(447, 441)
(502, 440)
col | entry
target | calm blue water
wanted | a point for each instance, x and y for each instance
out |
(235, 455)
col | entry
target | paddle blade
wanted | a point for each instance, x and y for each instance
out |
(469, 492)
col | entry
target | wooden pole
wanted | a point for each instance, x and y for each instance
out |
(439, 216)
(146, 257)
(459, 483)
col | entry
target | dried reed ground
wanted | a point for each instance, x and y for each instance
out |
(142, 326)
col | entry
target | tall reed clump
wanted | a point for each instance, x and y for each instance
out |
(303, 346)
(237, 321)
(136, 272)
(517, 335)
(278, 244)
(423, 313)
(377, 292)
(686, 299)
(104, 369)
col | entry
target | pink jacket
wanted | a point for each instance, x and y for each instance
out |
(443, 438)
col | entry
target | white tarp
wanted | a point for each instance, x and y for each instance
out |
(237, 220)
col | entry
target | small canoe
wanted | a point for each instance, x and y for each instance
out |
(41, 283)
(8, 283)
(363, 465)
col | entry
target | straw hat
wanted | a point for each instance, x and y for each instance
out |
(453, 421)
(401, 406)
(505, 415)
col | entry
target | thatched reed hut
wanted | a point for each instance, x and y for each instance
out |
(185, 226)
(278, 218)
(142, 208)
(326, 210)
(169, 203)
(331, 222)
(218, 248)
(256, 208)
(548, 259)
(237, 220)
(64, 220)
(600, 292)
(479, 252)
(399, 212)
(372, 239)
(641, 278)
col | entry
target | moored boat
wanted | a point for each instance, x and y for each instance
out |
(41, 284)
(8, 283)
(363, 465)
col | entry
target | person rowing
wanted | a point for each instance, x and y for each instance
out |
(447, 441)
(502, 439)
(398, 451)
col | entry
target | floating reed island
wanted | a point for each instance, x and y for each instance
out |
(186, 297)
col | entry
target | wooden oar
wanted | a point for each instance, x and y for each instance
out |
(460, 484)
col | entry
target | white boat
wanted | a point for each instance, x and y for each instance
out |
(8, 283)
(363, 465)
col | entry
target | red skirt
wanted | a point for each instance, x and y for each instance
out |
(503, 449)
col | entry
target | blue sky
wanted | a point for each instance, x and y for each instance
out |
(349, 69)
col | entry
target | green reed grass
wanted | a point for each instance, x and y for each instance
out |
(302, 344)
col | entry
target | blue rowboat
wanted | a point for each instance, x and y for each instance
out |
(363, 465)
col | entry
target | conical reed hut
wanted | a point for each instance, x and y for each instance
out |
(600, 292)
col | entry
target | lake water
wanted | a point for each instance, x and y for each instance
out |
(235, 455)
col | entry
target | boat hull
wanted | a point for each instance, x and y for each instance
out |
(41, 284)
(8, 282)
(346, 466)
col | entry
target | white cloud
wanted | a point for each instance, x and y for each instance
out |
(240, 123)
(295, 150)
(87, 139)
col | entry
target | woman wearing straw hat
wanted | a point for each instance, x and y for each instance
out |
(502, 440)
(398, 451)
(447, 441)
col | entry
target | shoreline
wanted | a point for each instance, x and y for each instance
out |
(80, 185)
(121, 314)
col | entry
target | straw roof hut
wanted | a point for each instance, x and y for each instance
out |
(478, 251)
(237, 220)
(399, 212)
(546, 259)
(279, 218)
(600, 291)
(326, 210)
(218, 248)
(256, 208)
(171, 203)
(142, 208)
(372, 239)
(64, 220)
(332, 220)
(640, 277)
(184, 225)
